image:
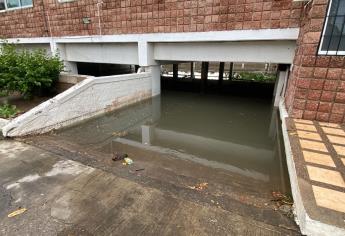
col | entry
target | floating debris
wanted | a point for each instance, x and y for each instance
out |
(281, 199)
(120, 134)
(17, 212)
(119, 156)
(140, 169)
(283, 203)
(199, 187)
(128, 161)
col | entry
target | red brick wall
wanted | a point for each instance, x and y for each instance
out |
(148, 16)
(316, 89)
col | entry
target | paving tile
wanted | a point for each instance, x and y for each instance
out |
(305, 127)
(318, 158)
(329, 198)
(303, 121)
(334, 131)
(313, 145)
(325, 176)
(308, 135)
(332, 125)
(336, 139)
(340, 150)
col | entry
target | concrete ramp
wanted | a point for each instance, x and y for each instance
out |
(91, 97)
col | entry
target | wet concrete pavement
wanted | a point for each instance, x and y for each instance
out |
(68, 191)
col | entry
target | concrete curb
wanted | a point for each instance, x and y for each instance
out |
(3, 122)
(307, 225)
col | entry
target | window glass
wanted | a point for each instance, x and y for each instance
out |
(2, 5)
(333, 39)
(13, 3)
(26, 3)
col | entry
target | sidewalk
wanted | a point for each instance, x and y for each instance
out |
(316, 162)
(66, 197)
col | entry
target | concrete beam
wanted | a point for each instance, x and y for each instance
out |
(115, 53)
(232, 35)
(250, 51)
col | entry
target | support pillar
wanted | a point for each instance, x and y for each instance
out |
(175, 71)
(71, 67)
(192, 70)
(204, 75)
(221, 73)
(279, 89)
(156, 79)
(231, 70)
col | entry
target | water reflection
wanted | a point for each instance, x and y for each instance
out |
(232, 133)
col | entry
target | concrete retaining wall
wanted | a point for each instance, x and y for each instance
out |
(86, 99)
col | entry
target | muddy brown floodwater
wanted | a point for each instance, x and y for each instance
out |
(179, 141)
(235, 134)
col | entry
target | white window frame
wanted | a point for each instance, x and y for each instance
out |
(16, 8)
(328, 53)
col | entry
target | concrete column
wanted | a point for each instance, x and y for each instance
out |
(145, 54)
(71, 67)
(231, 70)
(204, 75)
(175, 71)
(283, 73)
(156, 108)
(146, 134)
(221, 73)
(192, 70)
(156, 79)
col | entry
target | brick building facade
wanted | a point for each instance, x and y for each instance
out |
(316, 88)
(317, 83)
(149, 16)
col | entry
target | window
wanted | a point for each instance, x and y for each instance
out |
(333, 35)
(14, 4)
(2, 5)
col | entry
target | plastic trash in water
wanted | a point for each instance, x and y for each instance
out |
(128, 161)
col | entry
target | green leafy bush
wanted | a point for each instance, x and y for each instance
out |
(8, 111)
(27, 72)
(256, 76)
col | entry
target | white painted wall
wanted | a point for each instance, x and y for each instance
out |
(88, 98)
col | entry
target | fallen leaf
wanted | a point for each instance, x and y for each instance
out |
(17, 212)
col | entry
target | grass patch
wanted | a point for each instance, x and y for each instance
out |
(8, 111)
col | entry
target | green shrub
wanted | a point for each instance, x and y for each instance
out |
(8, 111)
(256, 76)
(27, 72)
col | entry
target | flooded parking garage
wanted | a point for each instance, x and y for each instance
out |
(212, 144)
(235, 134)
